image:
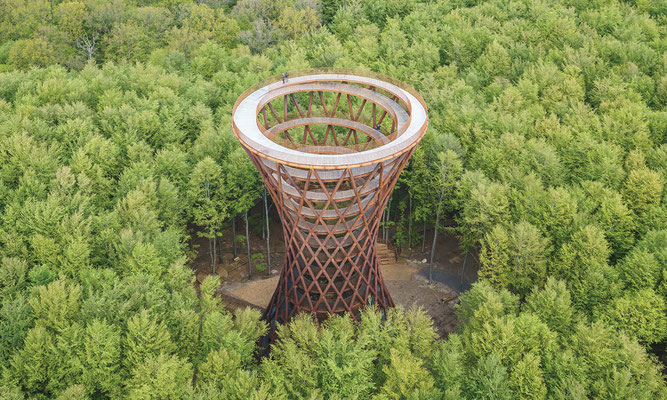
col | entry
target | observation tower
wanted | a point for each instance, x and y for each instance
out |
(329, 145)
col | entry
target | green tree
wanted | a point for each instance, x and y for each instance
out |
(406, 378)
(70, 17)
(640, 269)
(16, 318)
(588, 248)
(448, 368)
(484, 206)
(223, 371)
(161, 377)
(208, 198)
(489, 380)
(31, 365)
(294, 22)
(553, 305)
(448, 167)
(642, 191)
(13, 276)
(101, 359)
(127, 41)
(145, 337)
(495, 257)
(57, 305)
(526, 378)
(615, 220)
(642, 315)
(67, 362)
(31, 52)
(243, 183)
(529, 252)
(515, 259)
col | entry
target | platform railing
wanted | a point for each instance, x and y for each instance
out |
(313, 71)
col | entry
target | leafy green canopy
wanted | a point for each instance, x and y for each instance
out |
(546, 141)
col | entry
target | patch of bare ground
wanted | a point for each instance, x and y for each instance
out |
(406, 277)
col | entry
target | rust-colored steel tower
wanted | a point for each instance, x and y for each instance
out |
(329, 145)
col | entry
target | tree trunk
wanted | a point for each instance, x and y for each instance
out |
(210, 254)
(384, 226)
(247, 242)
(435, 238)
(409, 221)
(220, 251)
(234, 237)
(212, 250)
(388, 219)
(386, 232)
(424, 236)
(215, 253)
(463, 268)
(435, 235)
(268, 236)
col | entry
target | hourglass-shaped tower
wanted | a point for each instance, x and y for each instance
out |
(329, 146)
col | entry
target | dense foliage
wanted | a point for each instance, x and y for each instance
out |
(547, 144)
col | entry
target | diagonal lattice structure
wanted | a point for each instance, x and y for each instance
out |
(329, 146)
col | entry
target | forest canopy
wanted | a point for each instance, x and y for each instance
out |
(547, 136)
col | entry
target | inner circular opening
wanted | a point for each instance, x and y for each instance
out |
(331, 117)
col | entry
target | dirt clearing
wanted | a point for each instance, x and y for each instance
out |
(403, 279)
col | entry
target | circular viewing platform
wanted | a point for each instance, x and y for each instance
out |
(329, 119)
